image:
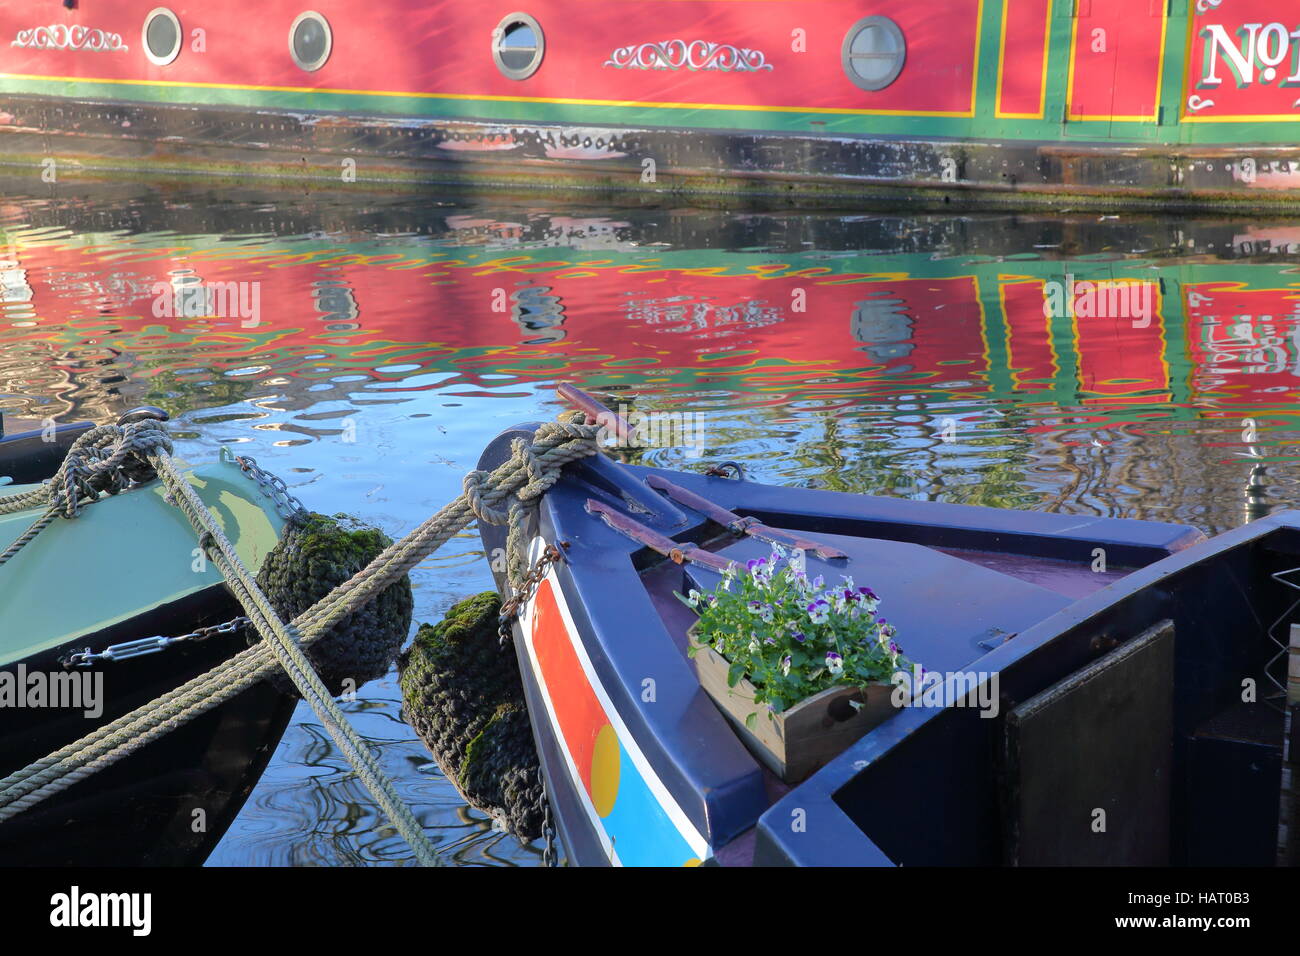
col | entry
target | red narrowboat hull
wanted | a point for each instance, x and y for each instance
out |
(1171, 102)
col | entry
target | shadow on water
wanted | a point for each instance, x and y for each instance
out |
(1122, 366)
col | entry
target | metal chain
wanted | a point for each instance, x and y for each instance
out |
(287, 504)
(151, 645)
(549, 858)
(550, 555)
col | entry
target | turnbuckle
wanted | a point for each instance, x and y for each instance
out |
(119, 652)
(150, 645)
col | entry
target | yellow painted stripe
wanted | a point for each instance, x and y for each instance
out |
(1160, 76)
(1187, 66)
(1160, 63)
(975, 63)
(1259, 118)
(1002, 52)
(1003, 282)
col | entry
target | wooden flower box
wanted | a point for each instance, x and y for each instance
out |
(803, 738)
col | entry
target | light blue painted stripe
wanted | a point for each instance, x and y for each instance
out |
(642, 833)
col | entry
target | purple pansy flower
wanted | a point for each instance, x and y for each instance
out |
(819, 611)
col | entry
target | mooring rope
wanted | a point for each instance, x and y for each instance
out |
(284, 642)
(518, 482)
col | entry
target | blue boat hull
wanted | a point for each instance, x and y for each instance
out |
(642, 767)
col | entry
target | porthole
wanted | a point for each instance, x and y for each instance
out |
(310, 41)
(161, 36)
(518, 46)
(873, 53)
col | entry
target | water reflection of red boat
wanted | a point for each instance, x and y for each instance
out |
(1246, 345)
(521, 316)
(1220, 335)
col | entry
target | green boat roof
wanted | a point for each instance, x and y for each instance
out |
(122, 556)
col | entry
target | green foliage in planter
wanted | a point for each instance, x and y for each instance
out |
(791, 636)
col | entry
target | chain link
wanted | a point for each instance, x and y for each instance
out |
(151, 645)
(550, 555)
(287, 504)
(549, 858)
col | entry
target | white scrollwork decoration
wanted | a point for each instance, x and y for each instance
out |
(696, 55)
(60, 36)
(1205, 6)
(1195, 103)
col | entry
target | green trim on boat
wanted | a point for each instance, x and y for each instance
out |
(122, 556)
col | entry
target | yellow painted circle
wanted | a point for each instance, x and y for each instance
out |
(604, 771)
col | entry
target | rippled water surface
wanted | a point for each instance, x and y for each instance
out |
(371, 350)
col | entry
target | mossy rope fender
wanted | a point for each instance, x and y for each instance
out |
(517, 483)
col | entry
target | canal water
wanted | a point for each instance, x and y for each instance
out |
(367, 350)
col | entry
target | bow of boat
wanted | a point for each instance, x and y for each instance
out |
(642, 767)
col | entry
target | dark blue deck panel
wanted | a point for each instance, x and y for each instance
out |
(1217, 593)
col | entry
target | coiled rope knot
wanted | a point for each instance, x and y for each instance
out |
(106, 459)
(553, 445)
(539, 478)
(473, 487)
